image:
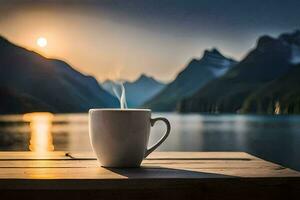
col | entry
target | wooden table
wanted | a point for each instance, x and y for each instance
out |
(163, 175)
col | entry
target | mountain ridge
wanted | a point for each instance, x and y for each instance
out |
(137, 91)
(270, 59)
(50, 81)
(195, 75)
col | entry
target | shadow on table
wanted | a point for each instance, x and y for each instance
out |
(162, 173)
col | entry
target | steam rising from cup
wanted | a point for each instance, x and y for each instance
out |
(119, 91)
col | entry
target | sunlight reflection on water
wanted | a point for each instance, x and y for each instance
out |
(41, 140)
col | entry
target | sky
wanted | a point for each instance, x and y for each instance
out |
(120, 39)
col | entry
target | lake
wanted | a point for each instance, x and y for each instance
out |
(274, 138)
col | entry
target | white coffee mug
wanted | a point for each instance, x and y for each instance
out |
(119, 137)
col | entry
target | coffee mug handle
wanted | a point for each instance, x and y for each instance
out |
(163, 138)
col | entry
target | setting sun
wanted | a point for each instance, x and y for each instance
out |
(42, 42)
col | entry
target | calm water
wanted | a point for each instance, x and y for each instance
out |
(274, 138)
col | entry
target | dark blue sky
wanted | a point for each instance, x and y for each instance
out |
(218, 16)
(248, 14)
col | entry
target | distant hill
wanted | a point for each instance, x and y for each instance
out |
(281, 96)
(44, 84)
(269, 60)
(138, 91)
(14, 102)
(108, 85)
(194, 76)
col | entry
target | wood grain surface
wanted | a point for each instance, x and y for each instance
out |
(176, 175)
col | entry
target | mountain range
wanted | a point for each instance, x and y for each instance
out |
(256, 82)
(30, 82)
(138, 91)
(265, 81)
(194, 76)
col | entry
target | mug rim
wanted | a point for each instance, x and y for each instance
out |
(120, 110)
